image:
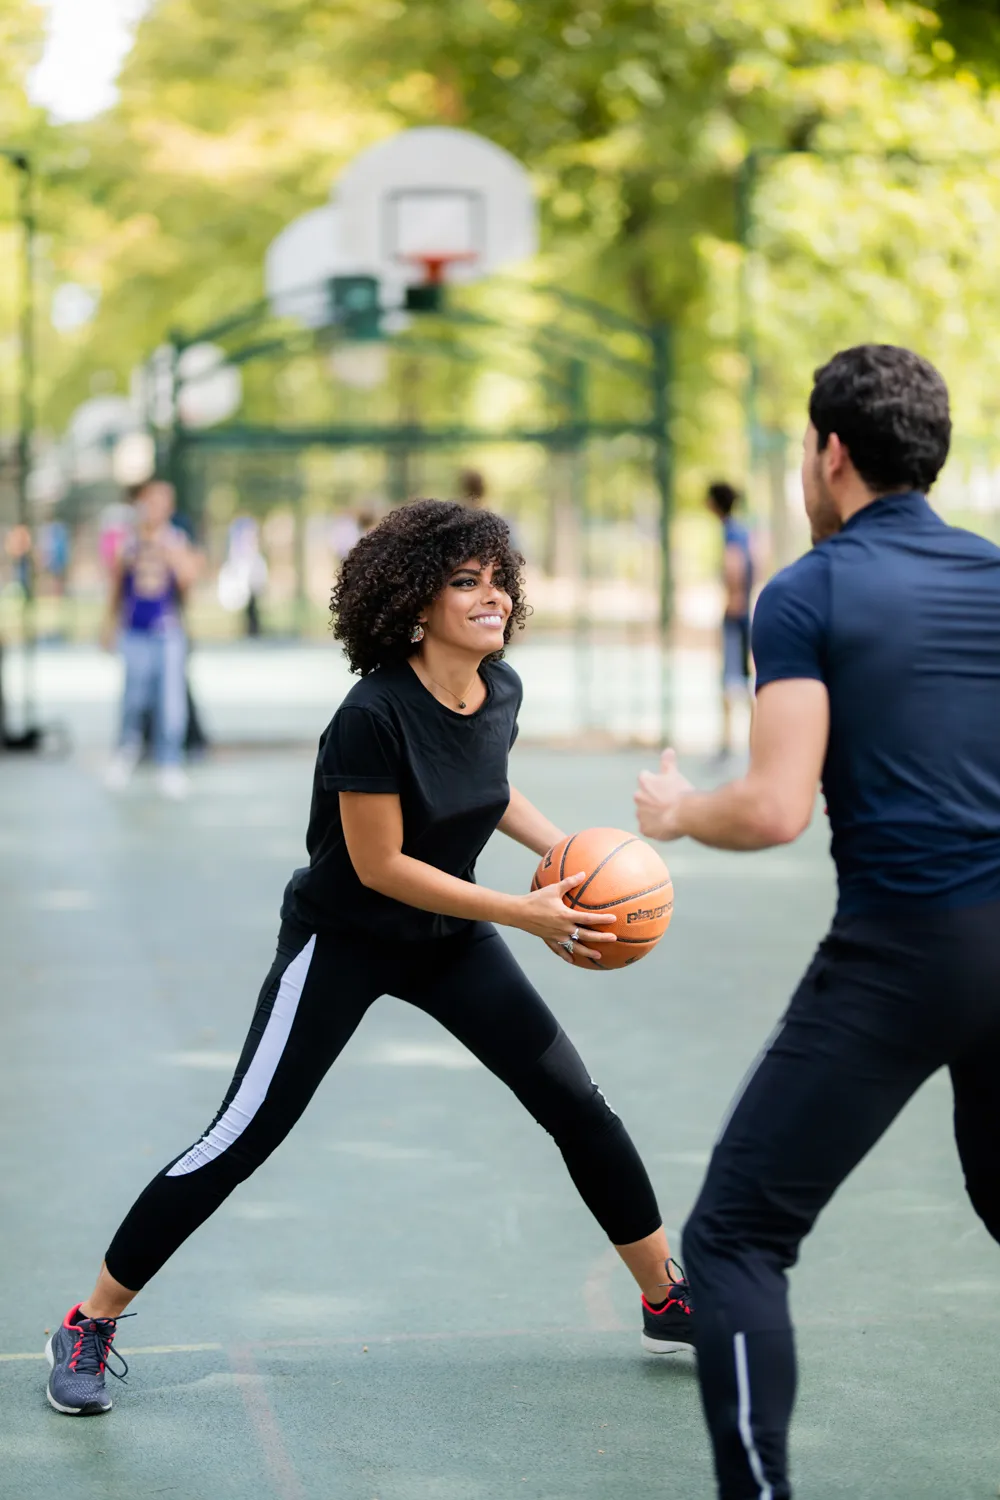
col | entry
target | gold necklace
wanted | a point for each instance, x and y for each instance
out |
(460, 701)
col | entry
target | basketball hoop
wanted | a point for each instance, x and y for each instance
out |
(440, 204)
(435, 264)
(427, 295)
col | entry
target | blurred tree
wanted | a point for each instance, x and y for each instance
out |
(21, 128)
(635, 118)
(967, 31)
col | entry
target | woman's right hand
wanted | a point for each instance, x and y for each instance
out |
(544, 913)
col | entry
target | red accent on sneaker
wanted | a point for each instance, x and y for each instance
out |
(671, 1301)
(68, 1322)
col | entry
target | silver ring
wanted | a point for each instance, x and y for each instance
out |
(567, 946)
(574, 936)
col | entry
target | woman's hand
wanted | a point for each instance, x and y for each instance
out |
(544, 914)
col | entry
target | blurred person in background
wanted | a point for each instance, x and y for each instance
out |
(243, 575)
(195, 738)
(115, 523)
(54, 556)
(18, 548)
(155, 566)
(348, 527)
(737, 580)
(54, 545)
(472, 492)
(472, 488)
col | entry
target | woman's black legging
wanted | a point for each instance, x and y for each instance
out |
(313, 999)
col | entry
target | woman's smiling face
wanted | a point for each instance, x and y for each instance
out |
(471, 611)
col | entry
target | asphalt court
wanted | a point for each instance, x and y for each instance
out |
(408, 1302)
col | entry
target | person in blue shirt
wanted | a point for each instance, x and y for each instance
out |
(737, 581)
(878, 673)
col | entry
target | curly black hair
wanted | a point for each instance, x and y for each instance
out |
(395, 571)
(889, 407)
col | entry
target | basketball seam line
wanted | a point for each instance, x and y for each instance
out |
(562, 863)
(636, 896)
(575, 900)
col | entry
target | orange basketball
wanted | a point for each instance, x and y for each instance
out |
(624, 876)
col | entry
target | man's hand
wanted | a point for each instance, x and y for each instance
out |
(658, 798)
(773, 802)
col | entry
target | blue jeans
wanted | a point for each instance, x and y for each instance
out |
(154, 680)
(735, 652)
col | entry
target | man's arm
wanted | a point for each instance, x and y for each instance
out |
(773, 803)
(112, 611)
(734, 578)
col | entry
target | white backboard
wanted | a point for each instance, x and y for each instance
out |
(208, 389)
(299, 260)
(436, 193)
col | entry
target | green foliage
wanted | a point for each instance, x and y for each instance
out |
(966, 32)
(635, 118)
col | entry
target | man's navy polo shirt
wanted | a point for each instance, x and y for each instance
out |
(899, 615)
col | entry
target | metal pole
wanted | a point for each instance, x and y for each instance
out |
(301, 552)
(659, 336)
(579, 498)
(746, 183)
(26, 428)
(175, 458)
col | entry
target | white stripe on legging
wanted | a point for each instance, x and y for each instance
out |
(257, 1078)
(746, 1428)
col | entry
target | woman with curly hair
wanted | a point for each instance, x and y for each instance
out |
(410, 782)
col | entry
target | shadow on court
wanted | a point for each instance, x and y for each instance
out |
(408, 1302)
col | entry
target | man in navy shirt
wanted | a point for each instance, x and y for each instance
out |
(878, 672)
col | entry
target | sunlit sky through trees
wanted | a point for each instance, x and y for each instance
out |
(87, 41)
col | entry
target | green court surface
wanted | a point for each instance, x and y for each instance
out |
(408, 1302)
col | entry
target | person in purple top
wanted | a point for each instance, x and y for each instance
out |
(155, 566)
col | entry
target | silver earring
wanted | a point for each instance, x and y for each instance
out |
(416, 634)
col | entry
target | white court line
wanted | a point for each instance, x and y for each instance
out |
(149, 1349)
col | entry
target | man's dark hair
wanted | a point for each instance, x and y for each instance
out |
(889, 408)
(723, 497)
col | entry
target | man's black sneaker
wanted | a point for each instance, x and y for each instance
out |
(670, 1328)
(79, 1352)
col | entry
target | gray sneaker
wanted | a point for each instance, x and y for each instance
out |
(79, 1353)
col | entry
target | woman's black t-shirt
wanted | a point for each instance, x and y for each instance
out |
(449, 770)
